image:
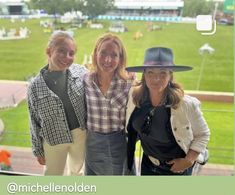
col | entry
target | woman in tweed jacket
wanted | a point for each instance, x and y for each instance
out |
(57, 110)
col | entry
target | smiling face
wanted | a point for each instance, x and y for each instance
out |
(157, 79)
(107, 57)
(61, 54)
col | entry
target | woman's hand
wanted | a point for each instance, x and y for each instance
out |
(41, 160)
(131, 75)
(179, 165)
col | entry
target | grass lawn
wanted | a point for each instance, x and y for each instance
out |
(220, 118)
(22, 58)
(16, 121)
(220, 145)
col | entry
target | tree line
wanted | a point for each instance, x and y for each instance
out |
(93, 8)
(192, 8)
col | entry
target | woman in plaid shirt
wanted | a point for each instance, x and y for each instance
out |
(57, 109)
(106, 97)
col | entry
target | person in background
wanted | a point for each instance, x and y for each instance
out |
(170, 125)
(107, 89)
(57, 109)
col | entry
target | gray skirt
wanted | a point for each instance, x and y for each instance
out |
(105, 153)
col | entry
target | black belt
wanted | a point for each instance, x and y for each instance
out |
(157, 162)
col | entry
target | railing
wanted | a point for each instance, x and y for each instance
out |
(221, 153)
(20, 139)
(14, 173)
(25, 162)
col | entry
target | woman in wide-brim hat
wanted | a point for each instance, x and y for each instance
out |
(169, 124)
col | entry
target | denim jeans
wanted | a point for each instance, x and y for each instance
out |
(105, 153)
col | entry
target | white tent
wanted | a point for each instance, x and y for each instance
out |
(206, 48)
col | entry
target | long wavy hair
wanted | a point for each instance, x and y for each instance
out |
(173, 92)
(122, 53)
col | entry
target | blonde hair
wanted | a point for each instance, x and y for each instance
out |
(173, 92)
(59, 38)
(122, 53)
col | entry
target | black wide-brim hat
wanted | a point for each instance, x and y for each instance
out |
(159, 57)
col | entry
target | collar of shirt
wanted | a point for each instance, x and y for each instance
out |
(164, 103)
(72, 75)
(71, 71)
(116, 85)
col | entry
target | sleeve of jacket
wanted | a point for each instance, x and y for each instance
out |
(132, 136)
(35, 128)
(130, 106)
(201, 132)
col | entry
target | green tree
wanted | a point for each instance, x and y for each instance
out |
(192, 8)
(50, 6)
(93, 8)
(55, 7)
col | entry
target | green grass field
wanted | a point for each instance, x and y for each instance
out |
(22, 58)
(16, 121)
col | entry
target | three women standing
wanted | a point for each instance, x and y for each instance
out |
(169, 124)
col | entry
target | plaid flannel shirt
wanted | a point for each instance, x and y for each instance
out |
(106, 114)
(47, 115)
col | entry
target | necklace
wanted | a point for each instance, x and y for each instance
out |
(56, 77)
(54, 81)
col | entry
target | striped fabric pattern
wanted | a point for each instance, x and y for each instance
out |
(106, 114)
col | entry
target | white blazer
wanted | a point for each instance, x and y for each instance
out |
(187, 122)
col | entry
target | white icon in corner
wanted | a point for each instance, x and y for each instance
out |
(205, 23)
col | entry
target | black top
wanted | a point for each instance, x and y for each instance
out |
(57, 82)
(152, 126)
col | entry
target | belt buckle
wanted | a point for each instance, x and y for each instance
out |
(154, 160)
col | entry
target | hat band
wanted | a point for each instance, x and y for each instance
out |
(158, 63)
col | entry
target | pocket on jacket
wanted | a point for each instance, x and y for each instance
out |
(184, 132)
(119, 101)
(48, 108)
